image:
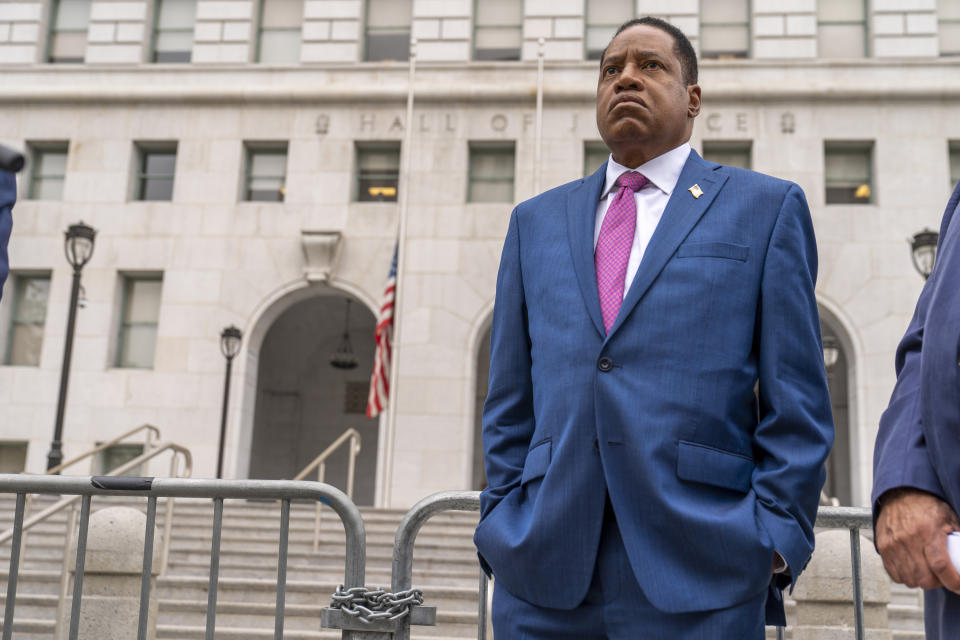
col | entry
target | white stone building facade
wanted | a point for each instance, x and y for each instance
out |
(237, 158)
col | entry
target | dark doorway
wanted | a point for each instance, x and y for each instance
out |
(304, 403)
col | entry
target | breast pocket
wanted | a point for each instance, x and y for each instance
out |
(726, 250)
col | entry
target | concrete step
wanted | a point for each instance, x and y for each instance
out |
(263, 590)
(31, 628)
(296, 617)
(376, 572)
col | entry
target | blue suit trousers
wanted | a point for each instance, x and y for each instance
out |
(616, 608)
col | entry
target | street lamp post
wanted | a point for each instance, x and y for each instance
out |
(230, 339)
(923, 250)
(78, 245)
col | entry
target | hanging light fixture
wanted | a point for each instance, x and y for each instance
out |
(923, 250)
(831, 351)
(343, 357)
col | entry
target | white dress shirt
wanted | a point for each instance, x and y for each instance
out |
(663, 173)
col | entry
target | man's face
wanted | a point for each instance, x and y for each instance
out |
(644, 107)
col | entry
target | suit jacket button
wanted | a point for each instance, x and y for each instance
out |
(605, 364)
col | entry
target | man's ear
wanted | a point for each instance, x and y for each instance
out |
(693, 100)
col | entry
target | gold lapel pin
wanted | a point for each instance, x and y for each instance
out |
(695, 191)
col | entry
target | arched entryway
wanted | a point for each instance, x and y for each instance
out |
(479, 477)
(838, 354)
(304, 402)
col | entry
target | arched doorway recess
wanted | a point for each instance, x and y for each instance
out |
(478, 478)
(303, 403)
(838, 355)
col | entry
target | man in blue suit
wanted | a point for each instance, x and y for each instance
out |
(658, 416)
(8, 195)
(916, 462)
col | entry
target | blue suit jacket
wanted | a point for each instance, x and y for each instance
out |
(705, 480)
(918, 444)
(8, 194)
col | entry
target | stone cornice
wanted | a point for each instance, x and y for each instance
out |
(376, 84)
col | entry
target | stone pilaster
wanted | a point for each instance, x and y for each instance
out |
(784, 29)
(20, 32)
(442, 29)
(683, 14)
(117, 33)
(332, 31)
(223, 32)
(904, 29)
(559, 23)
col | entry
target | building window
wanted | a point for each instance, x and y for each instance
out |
(49, 168)
(378, 171)
(603, 18)
(27, 319)
(491, 172)
(156, 165)
(115, 456)
(948, 13)
(595, 153)
(732, 153)
(173, 30)
(497, 30)
(281, 24)
(842, 28)
(140, 312)
(954, 163)
(266, 172)
(13, 457)
(388, 30)
(724, 28)
(847, 169)
(68, 31)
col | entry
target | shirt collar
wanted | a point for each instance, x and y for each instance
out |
(662, 171)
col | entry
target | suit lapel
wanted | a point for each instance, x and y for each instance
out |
(682, 213)
(581, 220)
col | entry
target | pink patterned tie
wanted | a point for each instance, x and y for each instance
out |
(615, 243)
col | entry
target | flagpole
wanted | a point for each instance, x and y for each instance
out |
(404, 184)
(538, 149)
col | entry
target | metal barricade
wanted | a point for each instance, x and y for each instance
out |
(359, 612)
(854, 519)
(154, 488)
(828, 517)
(402, 573)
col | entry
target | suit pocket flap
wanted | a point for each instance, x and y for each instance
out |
(714, 250)
(702, 463)
(538, 459)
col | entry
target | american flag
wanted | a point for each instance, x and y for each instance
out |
(380, 379)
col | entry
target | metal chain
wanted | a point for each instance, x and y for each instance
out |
(370, 605)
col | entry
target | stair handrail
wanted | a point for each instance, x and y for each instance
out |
(320, 464)
(153, 434)
(71, 501)
(183, 452)
(149, 428)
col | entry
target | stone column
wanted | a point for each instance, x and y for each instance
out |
(824, 593)
(110, 607)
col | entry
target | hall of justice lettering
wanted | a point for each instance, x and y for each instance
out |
(444, 122)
